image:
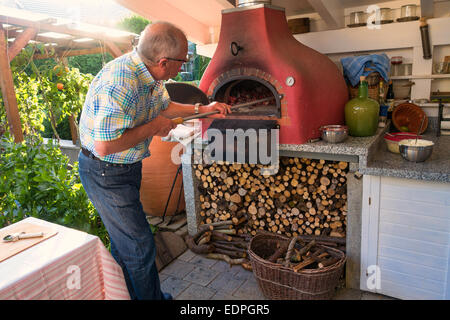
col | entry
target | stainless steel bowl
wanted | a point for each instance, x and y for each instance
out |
(415, 153)
(334, 133)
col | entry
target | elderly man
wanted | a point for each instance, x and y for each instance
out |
(127, 104)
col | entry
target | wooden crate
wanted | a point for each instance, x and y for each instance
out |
(299, 25)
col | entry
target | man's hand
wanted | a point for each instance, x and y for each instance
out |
(223, 109)
(162, 126)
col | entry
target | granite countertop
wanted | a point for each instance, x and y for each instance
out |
(375, 159)
(351, 146)
(435, 168)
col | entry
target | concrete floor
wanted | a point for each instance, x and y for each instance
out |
(194, 277)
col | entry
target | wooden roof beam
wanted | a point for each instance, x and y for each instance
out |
(21, 41)
(69, 53)
(63, 29)
(113, 49)
(331, 11)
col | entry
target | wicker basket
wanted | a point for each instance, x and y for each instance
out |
(281, 283)
(409, 115)
(373, 81)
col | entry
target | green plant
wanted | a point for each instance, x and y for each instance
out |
(90, 63)
(135, 24)
(200, 65)
(36, 180)
(51, 91)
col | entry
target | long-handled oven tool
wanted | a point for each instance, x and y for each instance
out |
(180, 120)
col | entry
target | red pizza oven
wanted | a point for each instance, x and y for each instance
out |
(257, 57)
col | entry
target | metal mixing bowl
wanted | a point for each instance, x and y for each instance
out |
(415, 153)
(334, 133)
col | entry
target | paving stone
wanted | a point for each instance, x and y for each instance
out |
(347, 294)
(374, 296)
(223, 266)
(241, 272)
(249, 290)
(222, 295)
(162, 277)
(196, 292)
(174, 285)
(178, 268)
(201, 276)
(227, 282)
(187, 255)
(202, 261)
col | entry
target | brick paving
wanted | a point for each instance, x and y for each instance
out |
(194, 277)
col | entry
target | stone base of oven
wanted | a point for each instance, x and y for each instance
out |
(353, 231)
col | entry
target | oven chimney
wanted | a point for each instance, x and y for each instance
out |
(245, 3)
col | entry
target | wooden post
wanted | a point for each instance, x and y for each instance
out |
(7, 86)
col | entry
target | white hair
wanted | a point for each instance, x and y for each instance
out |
(161, 39)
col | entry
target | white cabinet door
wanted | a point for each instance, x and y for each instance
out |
(405, 238)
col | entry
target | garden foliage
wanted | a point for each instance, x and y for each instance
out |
(36, 180)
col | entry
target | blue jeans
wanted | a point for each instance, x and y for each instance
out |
(114, 191)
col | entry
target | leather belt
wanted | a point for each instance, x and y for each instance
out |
(89, 154)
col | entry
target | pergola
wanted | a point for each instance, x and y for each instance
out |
(68, 38)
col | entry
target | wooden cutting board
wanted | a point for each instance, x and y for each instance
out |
(9, 249)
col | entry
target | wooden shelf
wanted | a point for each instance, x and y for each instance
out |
(423, 76)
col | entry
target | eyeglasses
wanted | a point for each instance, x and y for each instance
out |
(181, 60)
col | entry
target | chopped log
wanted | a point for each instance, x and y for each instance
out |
(236, 198)
(230, 253)
(280, 252)
(205, 238)
(226, 258)
(247, 266)
(228, 246)
(226, 231)
(317, 256)
(199, 249)
(328, 262)
(221, 236)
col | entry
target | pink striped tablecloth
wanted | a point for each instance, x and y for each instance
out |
(72, 265)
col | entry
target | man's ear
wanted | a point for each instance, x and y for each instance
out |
(163, 63)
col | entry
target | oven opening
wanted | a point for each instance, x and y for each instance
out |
(246, 89)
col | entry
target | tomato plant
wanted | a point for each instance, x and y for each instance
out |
(52, 92)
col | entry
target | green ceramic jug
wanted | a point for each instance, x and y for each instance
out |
(362, 112)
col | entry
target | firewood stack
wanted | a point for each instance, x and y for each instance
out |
(305, 197)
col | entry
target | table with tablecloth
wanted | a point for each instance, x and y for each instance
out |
(71, 265)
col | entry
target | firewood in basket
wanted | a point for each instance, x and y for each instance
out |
(280, 252)
(328, 262)
(317, 256)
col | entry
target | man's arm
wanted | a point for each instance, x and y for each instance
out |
(160, 126)
(176, 109)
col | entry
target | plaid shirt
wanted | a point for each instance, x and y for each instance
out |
(122, 95)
